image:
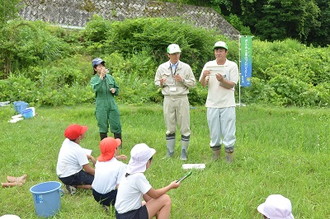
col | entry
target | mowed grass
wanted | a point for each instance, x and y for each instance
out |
(279, 150)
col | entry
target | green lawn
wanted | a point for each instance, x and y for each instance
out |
(279, 150)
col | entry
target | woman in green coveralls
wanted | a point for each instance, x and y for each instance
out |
(105, 89)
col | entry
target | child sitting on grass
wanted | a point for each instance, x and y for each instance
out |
(73, 167)
(276, 207)
(108, 172)
(135, 186)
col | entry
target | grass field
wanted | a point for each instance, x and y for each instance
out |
(279, 150)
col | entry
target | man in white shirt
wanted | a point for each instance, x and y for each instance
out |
(221, 76)
(73, 167)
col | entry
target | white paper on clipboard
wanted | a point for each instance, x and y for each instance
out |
(216, 69)
(87, 151)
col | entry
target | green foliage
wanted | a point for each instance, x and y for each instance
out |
(304, 20)
(261, 92)
(284, 72)
(197, 95)
(26, 43)
(153, 35)
(67, 95)
(18, 87)
(135, 77)
(64, 82)
(238, 24)
(96, 30)
(319, 35)
(290, 90)
(296, 19)
(8, 10)
(289, 73)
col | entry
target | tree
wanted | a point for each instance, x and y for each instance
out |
(8, 10)
(305, 20)
(280, 19)
(320, 35)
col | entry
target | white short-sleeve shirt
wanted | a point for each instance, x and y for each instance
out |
(130, 192)
(108, 175)
(71, 159)
(218, 96)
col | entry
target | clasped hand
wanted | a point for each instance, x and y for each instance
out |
(102, 72)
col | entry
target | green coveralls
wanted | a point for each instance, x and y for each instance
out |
(106, 108)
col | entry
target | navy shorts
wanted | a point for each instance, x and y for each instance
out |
(80, 178)
(105, 199)
(141, 213)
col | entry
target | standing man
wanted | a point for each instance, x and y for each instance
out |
(221, 76)
(175, 78)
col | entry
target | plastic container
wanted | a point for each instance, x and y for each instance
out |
(20, 106)
(193, 166)
(47, 198)
(27, 113)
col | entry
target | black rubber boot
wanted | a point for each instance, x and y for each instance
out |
(103, 135)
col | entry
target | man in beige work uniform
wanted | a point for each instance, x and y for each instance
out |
(175, 78)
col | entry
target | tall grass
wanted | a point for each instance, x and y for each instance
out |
(279, 150)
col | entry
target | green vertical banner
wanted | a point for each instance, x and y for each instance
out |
(246, 60)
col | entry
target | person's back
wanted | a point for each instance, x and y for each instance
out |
(135, 187)
(108, 175)
(71, 158)
(108, 172)
(73, 167)
(132, 188)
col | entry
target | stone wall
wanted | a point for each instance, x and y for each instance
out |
(76, 13)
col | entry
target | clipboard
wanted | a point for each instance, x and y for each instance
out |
(216, 69)
(87, 151)
(184, 177)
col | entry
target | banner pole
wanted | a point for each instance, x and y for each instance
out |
(239, 67)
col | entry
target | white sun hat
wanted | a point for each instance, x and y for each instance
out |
(140, 154)
(220, 44)
(173, 48)
(276, 206)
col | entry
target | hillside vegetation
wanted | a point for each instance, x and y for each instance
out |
(47, 65)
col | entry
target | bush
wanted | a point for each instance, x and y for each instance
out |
(18, 87)
(238, 24)
(26, 43)
(152, 36)
(284, 72)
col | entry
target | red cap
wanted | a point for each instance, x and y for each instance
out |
(73, 132)
(108, 147)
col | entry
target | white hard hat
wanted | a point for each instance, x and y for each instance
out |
(220, 44)
(173, 48)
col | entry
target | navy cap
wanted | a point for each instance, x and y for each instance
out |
(97, 61)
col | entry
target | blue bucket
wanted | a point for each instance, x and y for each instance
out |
(27, 113)
(46, 197)
(20, 106)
